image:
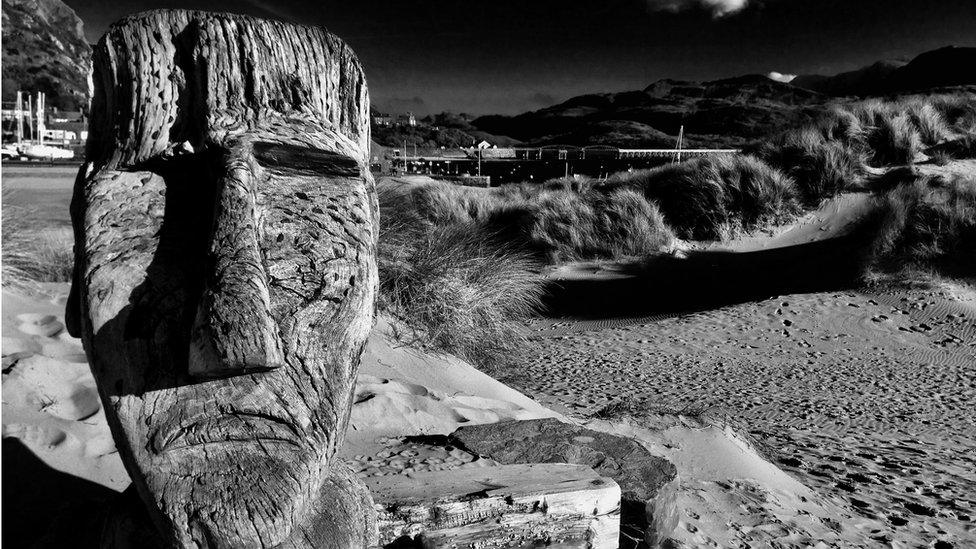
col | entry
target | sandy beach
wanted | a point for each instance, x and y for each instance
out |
(829, 419)
(866, 397)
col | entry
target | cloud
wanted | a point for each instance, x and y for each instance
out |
(718, 8)
(780, 77)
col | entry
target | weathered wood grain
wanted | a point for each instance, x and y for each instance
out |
(225, 273)
(648, 483)
(551, 504)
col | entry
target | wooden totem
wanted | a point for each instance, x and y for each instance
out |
(225, 273)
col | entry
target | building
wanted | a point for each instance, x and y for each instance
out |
(406, 119)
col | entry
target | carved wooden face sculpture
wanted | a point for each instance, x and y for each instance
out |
(225, 269)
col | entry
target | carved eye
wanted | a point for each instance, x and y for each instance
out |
(294, 160)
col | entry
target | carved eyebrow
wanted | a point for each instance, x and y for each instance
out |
(292, 159)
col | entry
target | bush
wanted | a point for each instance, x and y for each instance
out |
(929, 223)
(703, 198)
(455, 284)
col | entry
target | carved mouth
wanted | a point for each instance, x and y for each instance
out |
(233, 428)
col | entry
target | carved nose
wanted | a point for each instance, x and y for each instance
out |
(234, 331)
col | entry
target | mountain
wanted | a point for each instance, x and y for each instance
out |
(864, 81)
(731, 112)
(944, 67)
(44, 49)
(726, 113)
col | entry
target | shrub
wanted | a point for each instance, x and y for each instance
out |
(929, 223)
(702, 198)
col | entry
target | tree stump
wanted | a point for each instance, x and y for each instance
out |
(225, 273)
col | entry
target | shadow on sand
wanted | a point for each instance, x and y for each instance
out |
(709, 279)
(43, 507)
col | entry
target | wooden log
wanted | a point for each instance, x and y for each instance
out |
(648, 483)
(225, 273)
(552, 504)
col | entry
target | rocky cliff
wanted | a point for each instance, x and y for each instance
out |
(44, 49)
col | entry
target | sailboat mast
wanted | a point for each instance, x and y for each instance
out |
(40, 117)
(30, 116)
(19, 113)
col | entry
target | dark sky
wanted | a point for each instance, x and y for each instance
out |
(508, 56)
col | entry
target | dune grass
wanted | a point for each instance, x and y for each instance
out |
(715, 197)
(833, 153)
(456, 285)
(568, 225)
(928, 224)
(554, 222)
(894, 140)
(32, 255)
(823, 159)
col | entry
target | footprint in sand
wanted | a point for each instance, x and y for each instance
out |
(36, 435)
(39, 325)
(20, 346)
(44, 384)
(99, 446)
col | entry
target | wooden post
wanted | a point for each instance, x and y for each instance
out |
(225, 273)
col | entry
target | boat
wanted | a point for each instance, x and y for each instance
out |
(46, 152)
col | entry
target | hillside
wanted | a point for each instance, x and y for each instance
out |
(728, 112)
(949, 66)
(731, 112)
(44, 49)
(450, 130)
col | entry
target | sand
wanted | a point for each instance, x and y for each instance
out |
(832, 419)
(406, 400)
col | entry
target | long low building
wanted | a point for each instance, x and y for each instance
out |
(514, 164)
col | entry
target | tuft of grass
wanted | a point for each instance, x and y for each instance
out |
(932, 128)
(564, 225)
(575, 183)
(555, 223)
(958, 110)
(455, 285)
(823, 159)
(31, 256)
(928, 224)
(894, 140)
(709, 197)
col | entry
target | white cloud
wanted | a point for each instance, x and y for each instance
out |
(780, 77)
(718, 8)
